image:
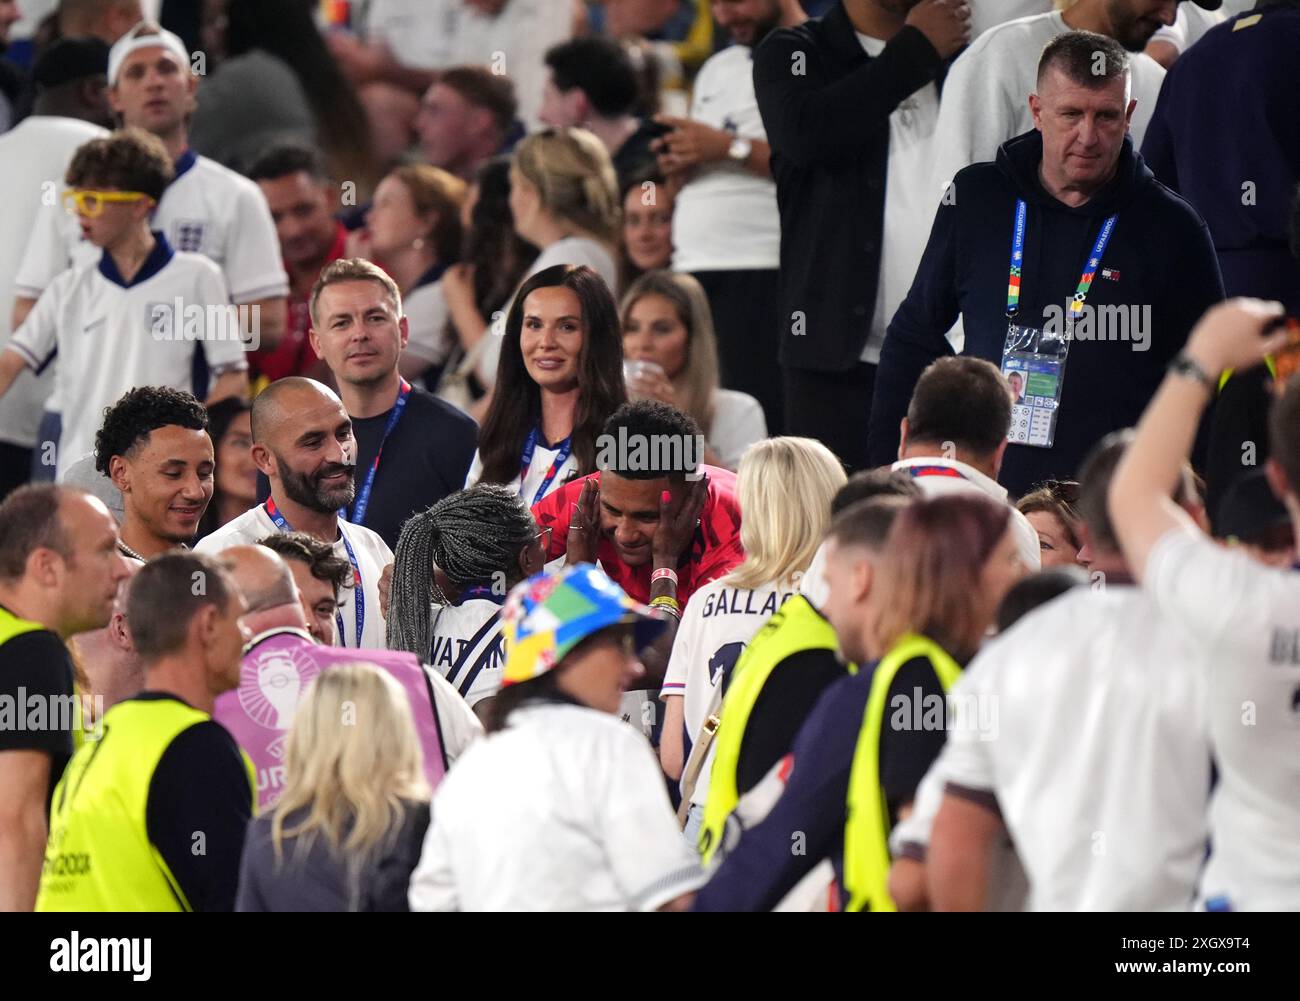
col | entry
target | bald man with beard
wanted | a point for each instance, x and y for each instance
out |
(303, 444)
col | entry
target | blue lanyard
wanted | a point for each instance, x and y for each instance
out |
(358, 594)
(526, 461)
(1085, 280)
(359, 506)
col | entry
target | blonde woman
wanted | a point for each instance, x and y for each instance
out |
(785, 488)
(564, 201)
(347, 830)
(670, 354)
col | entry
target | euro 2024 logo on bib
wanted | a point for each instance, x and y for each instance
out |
(270, 687)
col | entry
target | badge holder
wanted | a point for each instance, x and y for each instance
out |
(1033, 360)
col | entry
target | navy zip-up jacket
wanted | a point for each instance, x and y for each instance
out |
(1160, 256)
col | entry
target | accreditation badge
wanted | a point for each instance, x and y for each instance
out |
(1033, 362)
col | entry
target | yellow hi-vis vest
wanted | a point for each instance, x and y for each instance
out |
(795, 627)
(11, 626)
(866, 832)
(99, 857)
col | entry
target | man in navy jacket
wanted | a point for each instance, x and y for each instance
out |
(1075, 171)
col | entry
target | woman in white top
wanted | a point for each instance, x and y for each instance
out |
(561, 807)
(453, 567)
(672, 356)
(564, 201)
(413, 231)
(561, 378)
(785, 488)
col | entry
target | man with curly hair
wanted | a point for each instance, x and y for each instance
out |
(154, 446)
(142, 315)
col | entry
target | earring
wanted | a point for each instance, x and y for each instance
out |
(417, 243)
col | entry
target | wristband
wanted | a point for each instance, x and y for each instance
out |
(663, 572)
(668, 604)
(1184, 365)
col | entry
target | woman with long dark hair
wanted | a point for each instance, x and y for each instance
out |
(560, 378)
(277, 79)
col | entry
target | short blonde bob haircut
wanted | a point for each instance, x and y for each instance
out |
(785, 487)
(353, 761)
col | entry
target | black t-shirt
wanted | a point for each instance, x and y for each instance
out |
(198, 811)
(425, 458)
(791, 691)
(36, 708)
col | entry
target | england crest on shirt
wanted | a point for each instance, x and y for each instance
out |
(188, 235)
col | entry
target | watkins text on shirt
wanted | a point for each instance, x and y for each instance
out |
(193, 321)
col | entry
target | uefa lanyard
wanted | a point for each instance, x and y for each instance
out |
(1018, 255)
(359, 506)
(358, 594)
(526, 460)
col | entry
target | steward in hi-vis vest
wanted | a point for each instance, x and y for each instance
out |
(777, 681)
(101, 855)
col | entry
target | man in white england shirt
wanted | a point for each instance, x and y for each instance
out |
(1246, 616)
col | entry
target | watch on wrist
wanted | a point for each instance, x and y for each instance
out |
(1185, 366)
(740, 150)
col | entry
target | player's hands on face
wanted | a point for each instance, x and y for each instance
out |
(1231, 335)
(385, 584)
(675, 531)
(946, 23)
(584, 526)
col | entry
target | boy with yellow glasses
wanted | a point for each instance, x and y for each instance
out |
(142, 315)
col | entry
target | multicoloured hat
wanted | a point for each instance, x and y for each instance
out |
(549, 614)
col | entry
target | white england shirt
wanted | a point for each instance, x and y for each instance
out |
(1087, 723)
(33, 157)
(111, 336)
(372, 553)
(530, 488)
(1247, 619)
(726, 218)
(717, 624)
(207, 209)
(468, 647)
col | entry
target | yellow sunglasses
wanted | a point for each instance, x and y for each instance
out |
(90, 202)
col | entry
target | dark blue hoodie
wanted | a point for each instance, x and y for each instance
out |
(1160, 256)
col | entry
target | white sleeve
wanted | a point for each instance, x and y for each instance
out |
(49, 252)
(427, 316)
(966, 753)
(685, 648)
(252, 255)
(977, 113)
(736, 426)
(910, 837)
(456, 720)
(650, 860)
(433, 883)
(38, 338)
(221, 346)
(475, 470)
(1213, 592)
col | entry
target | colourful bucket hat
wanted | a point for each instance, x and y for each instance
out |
(547, 615)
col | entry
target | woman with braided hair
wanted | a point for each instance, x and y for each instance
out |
(455, 563)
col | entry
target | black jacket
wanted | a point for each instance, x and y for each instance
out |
(1160, 255)
(826, 105)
